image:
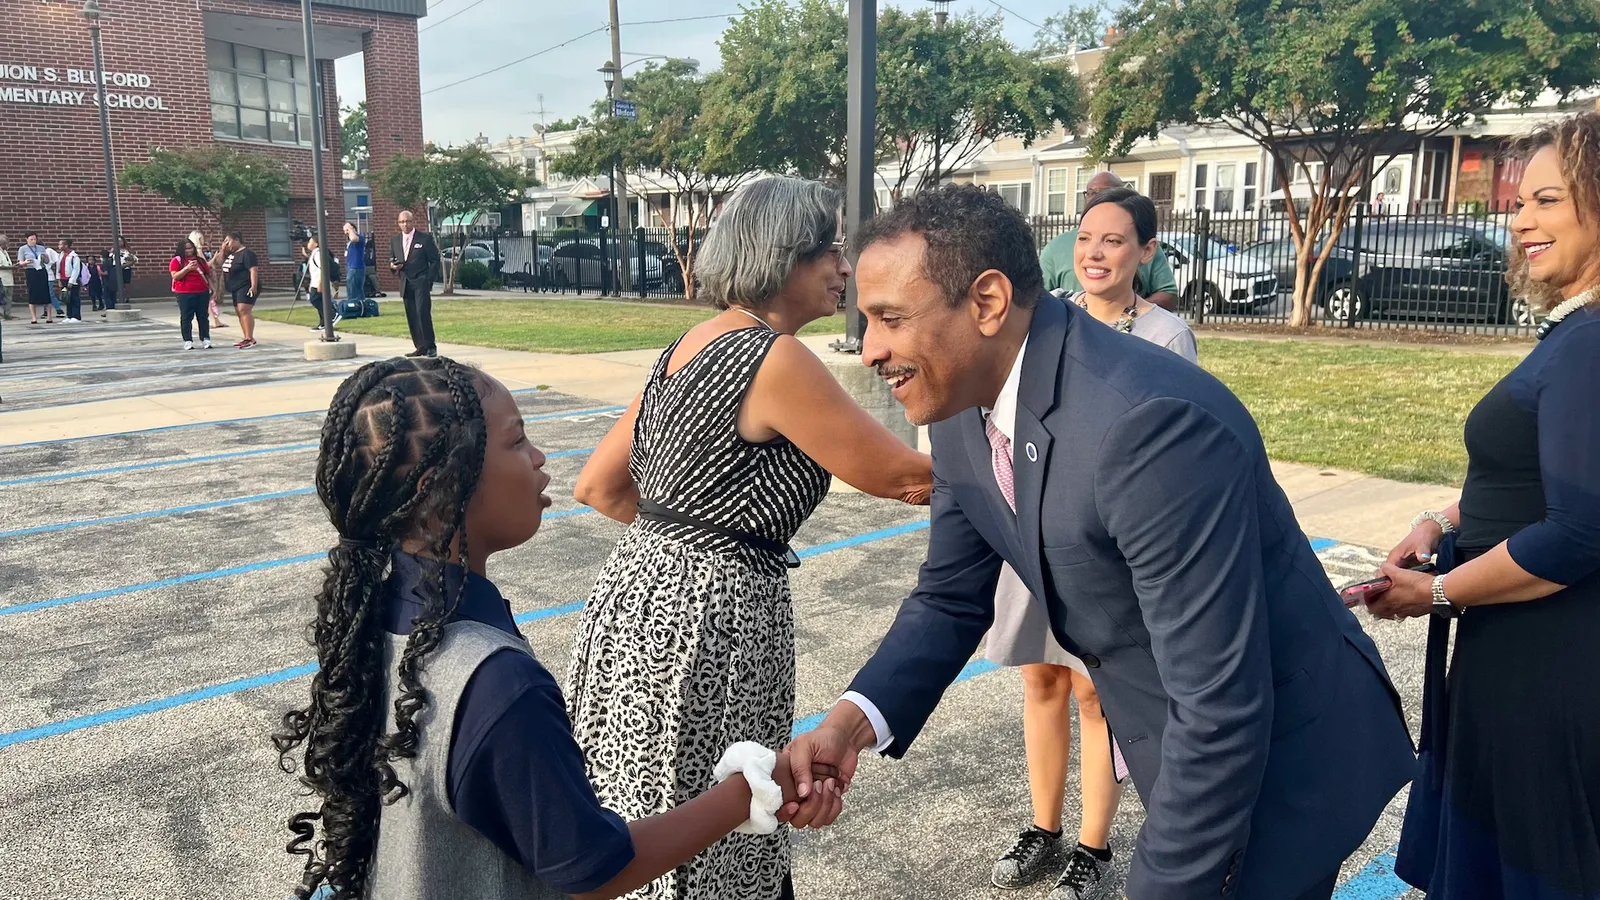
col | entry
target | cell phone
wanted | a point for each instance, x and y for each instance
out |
(1356, 594)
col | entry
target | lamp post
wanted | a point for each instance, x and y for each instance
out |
(860, 126)
(941, 11)
(91, 16)
(327, 347)
(611, 72)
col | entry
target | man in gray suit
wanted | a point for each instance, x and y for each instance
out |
(1131, 492)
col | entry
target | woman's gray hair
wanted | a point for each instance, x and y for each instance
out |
(760, 234)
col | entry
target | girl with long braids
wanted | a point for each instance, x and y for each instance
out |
(437, 747)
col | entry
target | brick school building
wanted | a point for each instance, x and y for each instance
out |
(182, 73)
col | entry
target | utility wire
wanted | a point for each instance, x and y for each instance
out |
(1017, 14)
(555, 46)
(458, 12)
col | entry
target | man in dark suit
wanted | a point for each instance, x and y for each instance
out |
(1131, 492)
(415, 258)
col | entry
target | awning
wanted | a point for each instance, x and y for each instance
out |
(564, 209)
(465, 220)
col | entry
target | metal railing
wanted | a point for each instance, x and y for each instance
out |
(581, 261)
(1413, 269)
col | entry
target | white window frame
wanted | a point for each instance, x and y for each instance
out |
(1224, 186)
(279, 219)
(1251, 189)
(1202, 184)
(300, 87)
(1053, 194)
(1023, 191)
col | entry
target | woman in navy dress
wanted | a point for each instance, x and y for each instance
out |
(1508, 807)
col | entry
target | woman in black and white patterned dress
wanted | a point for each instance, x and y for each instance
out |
(687, 644)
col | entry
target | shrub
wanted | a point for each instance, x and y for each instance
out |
(474, 275)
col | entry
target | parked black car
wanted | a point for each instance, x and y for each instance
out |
(1423, 270)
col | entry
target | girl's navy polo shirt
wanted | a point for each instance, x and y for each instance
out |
(516, 773)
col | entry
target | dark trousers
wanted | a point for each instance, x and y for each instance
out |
(75, 301)
(108, 295)
(419, 311)
(193, 307)
(1323, 889)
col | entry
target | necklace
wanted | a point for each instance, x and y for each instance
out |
(1124, 322)
(753, 316)
(1565, 308)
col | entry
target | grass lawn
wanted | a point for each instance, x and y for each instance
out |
(1392, 412)
(548, 326)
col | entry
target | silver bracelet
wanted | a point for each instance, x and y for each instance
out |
(1429, 515)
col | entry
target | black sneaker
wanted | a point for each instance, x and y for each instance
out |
(1034, 854)
(1085, 878)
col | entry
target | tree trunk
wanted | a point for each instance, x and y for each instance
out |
(1300, 315)
(452, 267)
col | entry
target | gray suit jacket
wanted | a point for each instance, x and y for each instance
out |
(1256, 717)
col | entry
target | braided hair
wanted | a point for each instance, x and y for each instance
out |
(401, 452)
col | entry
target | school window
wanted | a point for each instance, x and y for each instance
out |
(1251, 186)
(280, 246)
(363, 200)
(259, 95)
(1202, 171)
(1018, 195)
(1055, 192)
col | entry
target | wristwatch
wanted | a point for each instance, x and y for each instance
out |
(1444, 522)
(1442, 607)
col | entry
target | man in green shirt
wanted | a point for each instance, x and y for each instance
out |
(1156, 282)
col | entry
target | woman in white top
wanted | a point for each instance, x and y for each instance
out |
(1117, 235)
(314, 286)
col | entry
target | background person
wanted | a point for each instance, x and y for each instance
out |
(7, 278)
(241, 279)
(1509, 803)
(36, 260)
(191, 285)
(687, 641)
(210, 257)
(414, 256)
(313, 269)
(1155, 281)
(73, 275)
(355, 264)
(496, 802)
(1116, 236)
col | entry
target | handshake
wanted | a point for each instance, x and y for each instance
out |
(816, 769)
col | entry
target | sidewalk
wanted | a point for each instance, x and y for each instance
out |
(1344, 506)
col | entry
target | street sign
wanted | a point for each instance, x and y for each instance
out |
(624, 109)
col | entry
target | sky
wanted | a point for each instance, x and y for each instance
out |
(461, 38)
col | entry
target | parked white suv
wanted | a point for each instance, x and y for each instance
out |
(1233, 283)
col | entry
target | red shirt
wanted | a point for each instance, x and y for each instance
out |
(193, 283)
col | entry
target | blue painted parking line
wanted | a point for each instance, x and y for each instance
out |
(274, 416)
(79, 723)
(199, 507)
(211, 575)
(1375, 881)
(137, 467)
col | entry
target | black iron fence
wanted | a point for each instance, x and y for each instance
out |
(579, 262)
(1387, 269)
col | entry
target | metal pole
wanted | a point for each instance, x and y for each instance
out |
(316, 173)
(860, 138)
(619, 182)
(105, 146)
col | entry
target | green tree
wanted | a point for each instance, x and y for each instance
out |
(455, 181)
(1080, 27)
(945, 92)
(572, 124)
(779, 102)
(353, 136)
(216, 182)
(666, 147)
(1340, 83)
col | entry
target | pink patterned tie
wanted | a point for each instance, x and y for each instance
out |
(1005, 476)
(1000, 455)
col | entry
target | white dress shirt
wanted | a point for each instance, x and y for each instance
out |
(1004, 417)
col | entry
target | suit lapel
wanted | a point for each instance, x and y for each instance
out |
(1036, 398)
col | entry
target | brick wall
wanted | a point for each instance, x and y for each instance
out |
(394, 128)
(52, 174)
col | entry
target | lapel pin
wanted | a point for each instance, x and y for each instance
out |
(1033, 452)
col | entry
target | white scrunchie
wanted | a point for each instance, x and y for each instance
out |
(766, 798)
